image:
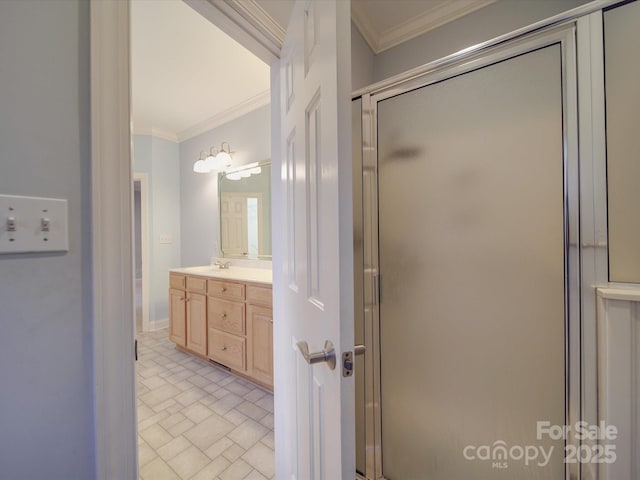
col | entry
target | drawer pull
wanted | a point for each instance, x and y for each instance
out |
(222, 289)
(222, 315)
(223, 348)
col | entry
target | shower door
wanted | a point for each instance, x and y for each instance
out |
(472, 267)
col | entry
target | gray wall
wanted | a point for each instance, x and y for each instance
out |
(249, 137)
(46, 404)
(362, 60)
(492, 21)
(159, 159)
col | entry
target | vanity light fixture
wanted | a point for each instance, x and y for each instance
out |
(201, 166)
(216, 159)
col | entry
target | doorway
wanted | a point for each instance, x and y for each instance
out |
(141, 251)
(469, 202)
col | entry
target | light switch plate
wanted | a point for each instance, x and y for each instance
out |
(33, 224)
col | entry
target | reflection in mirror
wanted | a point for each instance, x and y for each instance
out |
(245, 211)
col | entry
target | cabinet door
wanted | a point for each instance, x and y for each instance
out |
(260, 337)
(177, 320)
(197, 323)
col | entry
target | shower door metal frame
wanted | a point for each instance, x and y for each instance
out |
(585, 264)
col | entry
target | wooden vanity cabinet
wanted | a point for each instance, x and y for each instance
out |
(177, 317)
(187, 312)
(229, 322)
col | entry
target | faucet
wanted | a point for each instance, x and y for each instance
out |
(222, 265)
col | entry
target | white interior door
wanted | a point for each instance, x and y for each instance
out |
(233, 221)
(313, 266)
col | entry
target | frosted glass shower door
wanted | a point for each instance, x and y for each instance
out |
(472, 273)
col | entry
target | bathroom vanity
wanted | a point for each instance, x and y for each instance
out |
(225, 316)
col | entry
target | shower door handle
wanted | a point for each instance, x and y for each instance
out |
(327, 355)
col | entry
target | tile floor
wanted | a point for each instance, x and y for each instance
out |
(198, 422)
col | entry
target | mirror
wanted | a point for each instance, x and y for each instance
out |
(244, 199)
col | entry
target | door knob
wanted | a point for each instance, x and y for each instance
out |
(327, 355)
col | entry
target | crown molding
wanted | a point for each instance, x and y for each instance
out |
(362, 21)
(414, 27)
(249, 105)
(260, 19)
(154, 132)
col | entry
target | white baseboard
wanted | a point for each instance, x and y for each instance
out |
(158, 325)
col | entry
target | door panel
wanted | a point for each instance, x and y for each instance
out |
(472, 264)
(313, 269)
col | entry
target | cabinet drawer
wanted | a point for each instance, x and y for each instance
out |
(197, 284)
(227, 349)
(259, 295)
(177, 281)
(229, 290)
(225, 315)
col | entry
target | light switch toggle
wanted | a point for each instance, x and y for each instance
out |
(45, 224)
(11, 224)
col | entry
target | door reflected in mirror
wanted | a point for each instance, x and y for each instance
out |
(245, 212)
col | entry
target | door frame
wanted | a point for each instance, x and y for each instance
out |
(115, 433)
(143, 179)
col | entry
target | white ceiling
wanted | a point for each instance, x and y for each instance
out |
(188, 76)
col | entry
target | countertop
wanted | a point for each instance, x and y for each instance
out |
(241, 274)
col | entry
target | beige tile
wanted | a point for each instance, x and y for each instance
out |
(238, 388)
(172, 420)
(267, 421)
(156, 436)
(261, 458)
(266, 402)
(173, 448)
(209, 431)
(144, 411)
(199, 381)
(214, 468)
(226, 403)
(268, 440)
(187, 397)
(248, 433)
(216, 450)
(180, 428)
(153, 382)
(235, 417)
(196, 412)
(234, 452)
(157, 469)
(145, 453)
(255, 395)
(256, 475)
(168, 403)
(251, 410)
(152, 420)
(189, 462)
(159, 395)
(237, 471)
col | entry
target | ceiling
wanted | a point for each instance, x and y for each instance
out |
(189, 77)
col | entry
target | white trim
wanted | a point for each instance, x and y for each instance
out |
(229, 17)
(154, 132)
(619, 378)
(260, 18)
(221, 118)
(158, 325)
(379, 41)
(630, 293)
(113, 349)
(143, 178)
